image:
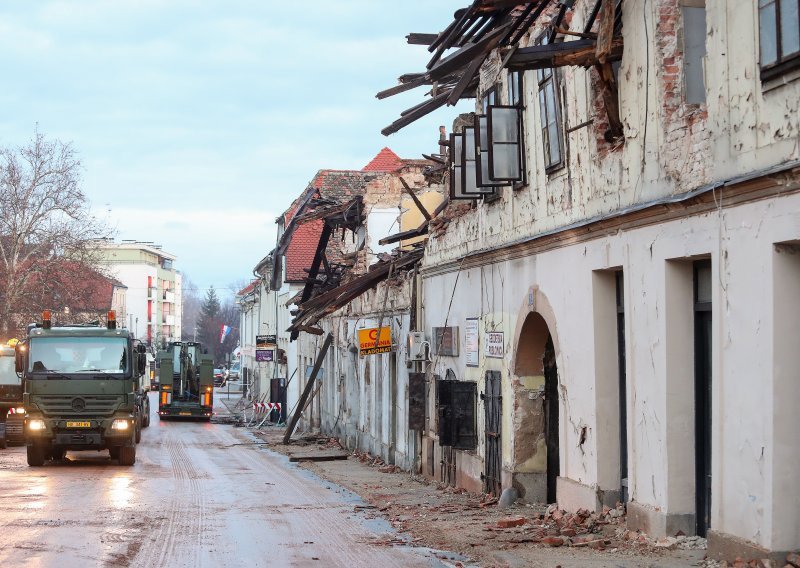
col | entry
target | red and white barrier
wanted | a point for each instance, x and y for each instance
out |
(261, 407)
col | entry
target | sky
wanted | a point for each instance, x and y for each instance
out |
(197, 123)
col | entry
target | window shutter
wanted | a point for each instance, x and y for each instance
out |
(416, 401)
(469, 179)
(482, 153)
(464, 397)
(505, 143)
(457, 167)
(445, 411)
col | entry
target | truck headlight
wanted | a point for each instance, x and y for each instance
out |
(119, 425)
(36, 425)
(19, 410)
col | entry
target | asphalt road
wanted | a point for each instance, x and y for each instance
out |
(199, 495)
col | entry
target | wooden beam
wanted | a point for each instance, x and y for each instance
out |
(410, 234)
(310, 329)
(582, 52)
(421, 39)
(307, 391)
(610, 100)
(421, 110)
(417, 202)
(605, 35)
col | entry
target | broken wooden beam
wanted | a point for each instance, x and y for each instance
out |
(410, 234)
(582, 52)
(307, 391)
(416, 200)
(318, 457)
(415, 38)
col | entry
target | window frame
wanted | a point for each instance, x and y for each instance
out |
(517, 79)
(783, 63)
(542, 82)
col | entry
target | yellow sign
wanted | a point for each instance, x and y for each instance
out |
(367, 337)
(81, 424)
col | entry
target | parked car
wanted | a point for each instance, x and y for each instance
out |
(219, 378)
(233, 372)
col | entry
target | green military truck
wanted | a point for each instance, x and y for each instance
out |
(12, 413)
(83, 390)
(186, 382)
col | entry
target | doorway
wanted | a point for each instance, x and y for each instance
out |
(536, 412)
(551, 417)
(702, 393)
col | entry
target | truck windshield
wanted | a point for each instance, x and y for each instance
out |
(8, 375)
(78, 355)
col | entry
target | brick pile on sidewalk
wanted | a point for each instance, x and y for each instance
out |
(446, 518)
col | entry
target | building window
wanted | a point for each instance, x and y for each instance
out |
(779, 36)
(550, 117)
(694, 51)
(515, 88)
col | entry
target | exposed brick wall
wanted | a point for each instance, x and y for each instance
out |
(685, 151)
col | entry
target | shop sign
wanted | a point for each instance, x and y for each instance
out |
(367, 340)
(266, 340)
(494, 345)
(265, 355)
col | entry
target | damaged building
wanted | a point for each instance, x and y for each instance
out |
(595, 294)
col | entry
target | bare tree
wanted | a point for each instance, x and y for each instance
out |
(44, 222)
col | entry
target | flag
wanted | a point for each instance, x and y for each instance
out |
(226, 329)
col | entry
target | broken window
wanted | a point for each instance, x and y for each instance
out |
(471, 184)
(456, 405)
(779, 36)
(694, 51)
(550, 117)
(457, 167)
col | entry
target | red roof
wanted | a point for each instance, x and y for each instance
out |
(247, 289)
(385, 161)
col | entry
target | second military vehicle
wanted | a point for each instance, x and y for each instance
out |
(186, 382)
(12, 413)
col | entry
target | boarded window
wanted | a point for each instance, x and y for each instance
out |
(457, 402)
(416, 401)
(694, 52)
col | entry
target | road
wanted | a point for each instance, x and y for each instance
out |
(199, 495)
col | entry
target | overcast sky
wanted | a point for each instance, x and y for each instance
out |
(197, 123)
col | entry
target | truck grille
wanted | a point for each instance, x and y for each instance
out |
(78, 405)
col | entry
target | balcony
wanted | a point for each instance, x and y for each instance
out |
(168, 319)
(168, 297)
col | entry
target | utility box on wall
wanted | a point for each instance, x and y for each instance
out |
(417, 346)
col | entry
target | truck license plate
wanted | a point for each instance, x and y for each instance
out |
(82, 424)
(184, 414)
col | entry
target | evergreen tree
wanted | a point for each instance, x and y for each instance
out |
(208, 324)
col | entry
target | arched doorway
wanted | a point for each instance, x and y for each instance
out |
(536, 422)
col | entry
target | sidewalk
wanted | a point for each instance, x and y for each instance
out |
(521, 535)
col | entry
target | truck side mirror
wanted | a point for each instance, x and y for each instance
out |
(19, 357)
(141, 361)
(141, 348)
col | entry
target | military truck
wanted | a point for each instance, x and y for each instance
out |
(12, 413)
(186, 382)
(82, 390)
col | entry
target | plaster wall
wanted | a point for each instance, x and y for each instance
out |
(752, 450)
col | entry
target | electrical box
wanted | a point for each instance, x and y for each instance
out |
(417, 346)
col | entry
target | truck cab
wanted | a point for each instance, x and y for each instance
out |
(12, 413)
(83, 390)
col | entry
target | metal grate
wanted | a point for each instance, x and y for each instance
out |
(493, 405)
(63, 405)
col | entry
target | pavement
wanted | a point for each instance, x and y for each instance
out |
(438, 517)
(200, 494)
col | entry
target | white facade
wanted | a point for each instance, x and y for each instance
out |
(154, 289)
(716, 182)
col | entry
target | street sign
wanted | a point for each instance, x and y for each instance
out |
(367, 344)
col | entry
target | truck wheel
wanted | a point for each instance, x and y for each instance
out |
(127, 455)
(3, 443)
(138, 431)
(35, 456)
(146, 417)
(113, 451)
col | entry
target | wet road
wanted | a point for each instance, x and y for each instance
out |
(192, 499)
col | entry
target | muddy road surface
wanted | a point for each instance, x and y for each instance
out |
(199, 495)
